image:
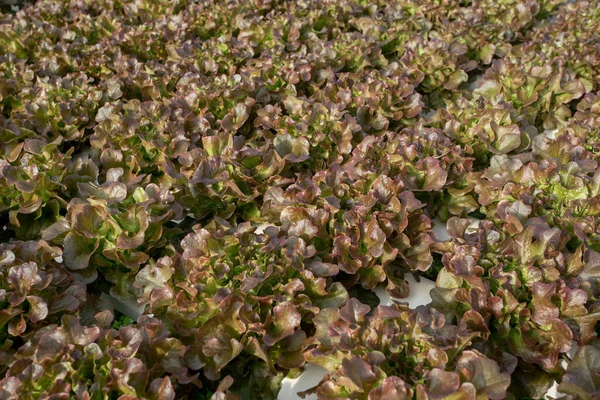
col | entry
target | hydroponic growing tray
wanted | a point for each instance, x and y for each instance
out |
(269, 199)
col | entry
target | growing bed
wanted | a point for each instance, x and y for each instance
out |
(246, 199)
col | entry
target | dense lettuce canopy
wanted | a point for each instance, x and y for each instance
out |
(246, 174)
